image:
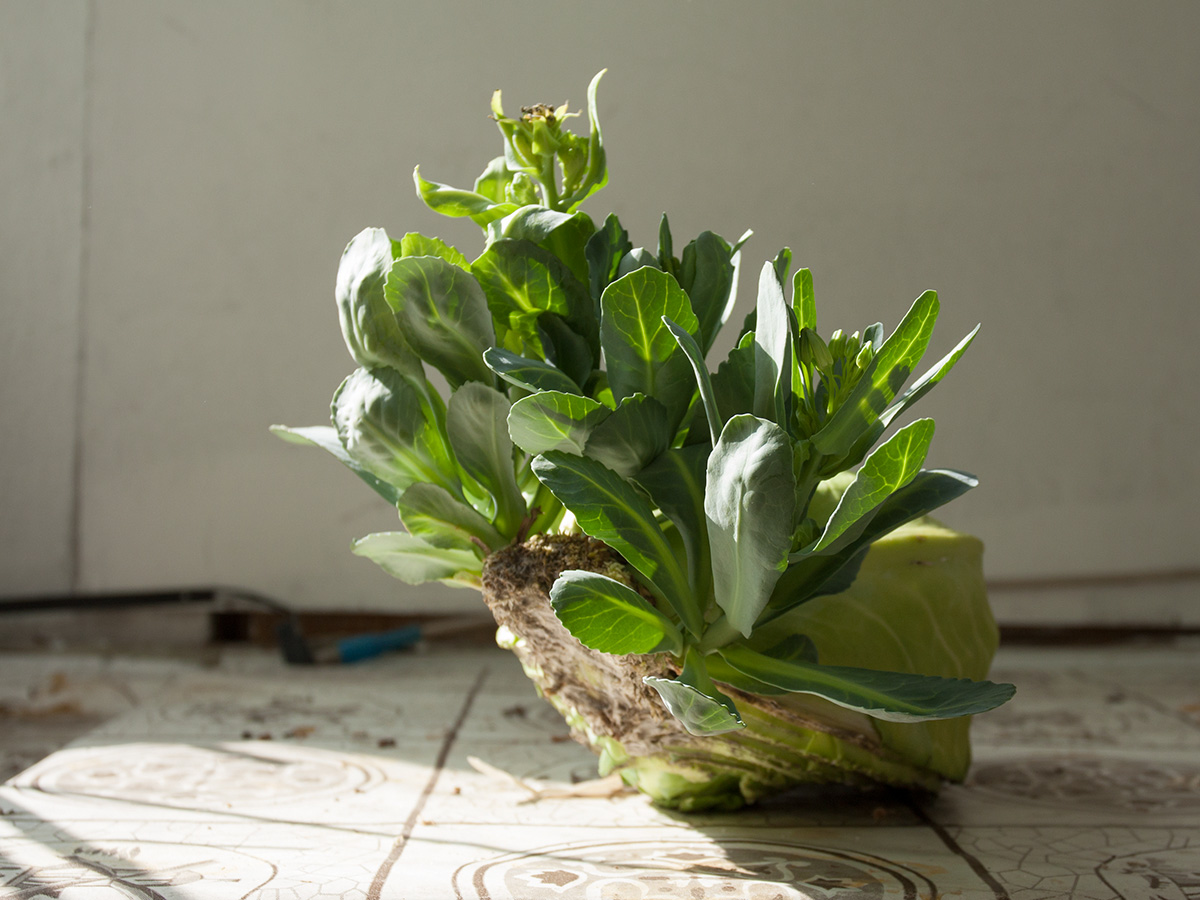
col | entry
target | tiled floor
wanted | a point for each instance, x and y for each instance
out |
(253, 780)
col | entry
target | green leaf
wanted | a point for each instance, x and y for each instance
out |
(782, 264)
(476, 423)
(892, 696)
(733, 382)
(887, 372)
(611, 510)
(893, 465)
(521, 190)
(695, 701)
(522, 281)
(604, 252)
(815, 576)
(916, 391)
(415, 244)
(701, 714)
(748, 324)
(804, 301)
(566, 349)
(568, 242)
(709, 273)
(721, 671)
(530, 374)
(443, 315)
(790, 647)
(772, 350)
(637, 258)
(561, 234)
(831, 572)
(696, 358)
(415, 561)
(494, 180)
(642, 355)
(675, 483)
(925, 383)
(629, 439)
(429, 512)
(873, 334)
(369, 326)
(749, 501)
(326, 438)
(554, 420)
(930, 489)
(666, 247)
(596, 174)
(933, 621)
(390, 428)
(448, 201)
(605, 615)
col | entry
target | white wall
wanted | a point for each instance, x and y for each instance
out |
(42, 102)
(1036, 163)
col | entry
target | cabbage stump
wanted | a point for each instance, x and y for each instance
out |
(924, 580)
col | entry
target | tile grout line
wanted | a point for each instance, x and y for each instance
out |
(385, 869)
(1155, 704)
(1151, 701)
(954, 847)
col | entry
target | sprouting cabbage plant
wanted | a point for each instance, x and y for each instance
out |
(580, 401)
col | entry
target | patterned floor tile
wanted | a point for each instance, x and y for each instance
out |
(576, 863)
(254, 780)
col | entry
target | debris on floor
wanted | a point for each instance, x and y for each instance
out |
(417, 778)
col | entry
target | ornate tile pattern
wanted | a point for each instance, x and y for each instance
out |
(256, 781)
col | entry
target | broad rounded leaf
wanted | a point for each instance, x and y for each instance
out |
(700, 714)
(443, 315)
(389, 428)
(604, 252)
(605, 615)
(749, 501)
(476, 423)
(709, 270)
(733, 382)
(416, 561)
(553, 420)
(631, 437)
(522, 281)
(416, 244)
(610, 509)
(642, 355)
(530, 374)
(325, 437)
(695, 700)
(564, 235)
(369, 325)
(429, 512)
